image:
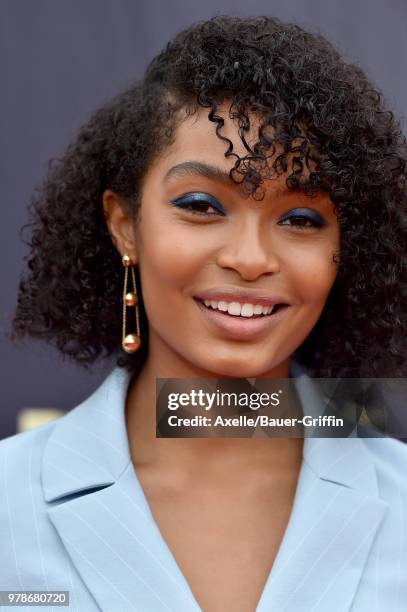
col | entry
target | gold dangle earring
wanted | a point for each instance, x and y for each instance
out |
(130, 342)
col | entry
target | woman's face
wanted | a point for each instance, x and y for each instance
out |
(199, 238)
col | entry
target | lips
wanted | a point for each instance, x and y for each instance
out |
(242, 296)
(240, 327)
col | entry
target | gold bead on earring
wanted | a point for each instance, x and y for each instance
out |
(130, 342)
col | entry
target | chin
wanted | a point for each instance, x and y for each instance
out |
(237, 369)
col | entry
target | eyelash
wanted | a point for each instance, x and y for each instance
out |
(189, 208)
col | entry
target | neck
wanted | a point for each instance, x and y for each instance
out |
(213, 458)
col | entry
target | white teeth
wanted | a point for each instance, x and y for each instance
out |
(234, 308)
(247, 310)
(237, 309)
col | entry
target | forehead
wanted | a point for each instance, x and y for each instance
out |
(197, 134)
(195, 139)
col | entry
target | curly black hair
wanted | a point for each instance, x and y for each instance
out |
(329, 130)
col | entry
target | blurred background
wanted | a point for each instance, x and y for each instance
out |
(59, 60)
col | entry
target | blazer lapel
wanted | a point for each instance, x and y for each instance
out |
(99, 510)
(335, 516)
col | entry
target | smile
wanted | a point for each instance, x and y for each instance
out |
(242, 310)
(242, 321)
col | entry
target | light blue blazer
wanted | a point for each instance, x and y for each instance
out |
(74, 517)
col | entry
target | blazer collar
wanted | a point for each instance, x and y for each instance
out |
(98, 507)
(88, 446)
(91, 440)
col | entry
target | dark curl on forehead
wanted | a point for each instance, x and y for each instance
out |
(324, 113)
(252, 69)
(320, 122)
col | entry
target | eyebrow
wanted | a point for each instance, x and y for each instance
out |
(197, 168)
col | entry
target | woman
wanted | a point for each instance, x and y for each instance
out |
(247, 203)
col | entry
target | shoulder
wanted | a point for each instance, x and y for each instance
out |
(389, 456)
(387, 562)
(20, 469)
(22, 507)
(21, 453)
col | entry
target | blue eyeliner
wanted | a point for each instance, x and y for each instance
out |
(198, 197)
(306, 213)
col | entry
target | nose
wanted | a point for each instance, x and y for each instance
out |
(249, 251)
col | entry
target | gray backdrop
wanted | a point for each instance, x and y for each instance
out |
(60, 59)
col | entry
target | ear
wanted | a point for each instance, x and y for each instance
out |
(120, 224)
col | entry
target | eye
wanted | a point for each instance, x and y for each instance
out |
(303, 219)
(198, 204)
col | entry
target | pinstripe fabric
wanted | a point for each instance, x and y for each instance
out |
(73, 516)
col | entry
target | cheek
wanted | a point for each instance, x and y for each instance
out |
(173, 259)
(312, 272)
